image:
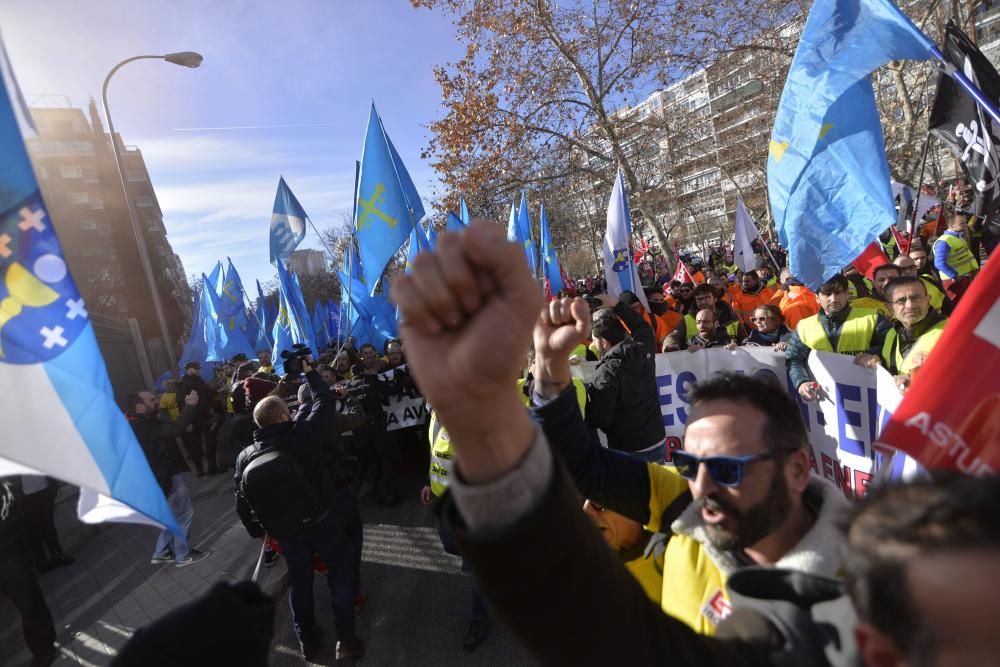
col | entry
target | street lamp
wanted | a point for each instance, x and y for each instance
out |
(186, 59)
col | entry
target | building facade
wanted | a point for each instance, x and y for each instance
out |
(79, 181)
(308, 262)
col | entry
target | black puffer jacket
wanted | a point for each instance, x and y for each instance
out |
(622, 397)
(158, 438)
(305, 436)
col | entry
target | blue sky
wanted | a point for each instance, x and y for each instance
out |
(310, 66)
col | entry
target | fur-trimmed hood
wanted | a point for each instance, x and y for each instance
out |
(818, 552)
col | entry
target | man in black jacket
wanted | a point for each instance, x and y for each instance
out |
(158, 438)
(200, 438)
(622, 396)
(327, 533)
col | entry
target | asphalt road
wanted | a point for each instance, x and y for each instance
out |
(418, 600)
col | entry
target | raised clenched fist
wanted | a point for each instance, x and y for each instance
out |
(468, 310)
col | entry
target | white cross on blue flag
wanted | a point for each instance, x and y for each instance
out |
(62, 421)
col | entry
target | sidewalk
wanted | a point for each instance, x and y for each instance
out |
(112, 589)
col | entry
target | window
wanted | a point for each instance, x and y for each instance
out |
(96, 203)
(143, 200)
(78, 197)
(90, 175)
(88, 224)
(43, 173)
(65, 127)
(134, 175)
(70, 171)
(63, 147)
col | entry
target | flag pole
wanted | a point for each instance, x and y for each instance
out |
(962, 80)
(350, 265)
(916, 201)
(774, 262)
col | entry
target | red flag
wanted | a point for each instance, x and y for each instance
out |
(643, 249)
(568, 285)
(872, 258)
(901, 241)
(950, 417)
(682, 274)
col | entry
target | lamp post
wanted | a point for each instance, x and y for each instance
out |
(187, 59)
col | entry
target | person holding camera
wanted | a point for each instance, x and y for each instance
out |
(284, 489)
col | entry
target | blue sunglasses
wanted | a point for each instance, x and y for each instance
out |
(725, 470)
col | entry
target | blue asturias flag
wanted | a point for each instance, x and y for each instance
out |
(522, 226)
(59, 413)
(298, 301)
(215, 277)
(454, 223)
(549, 261)
(619, 267)
(418, 244)
(231, 300)
(320, 326)
(216, 334)
(288, 223)
(828, 181)
(289, 327)
(387, 205)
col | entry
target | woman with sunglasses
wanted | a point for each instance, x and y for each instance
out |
(770, 329)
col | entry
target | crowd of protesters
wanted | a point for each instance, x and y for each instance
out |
(733, 539)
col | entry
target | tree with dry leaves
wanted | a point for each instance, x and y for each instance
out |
(557, 97)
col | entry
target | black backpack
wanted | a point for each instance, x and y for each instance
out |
(282, 498)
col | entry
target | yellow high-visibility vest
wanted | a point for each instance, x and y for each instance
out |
(934, 293)
(893, 359)
(855, 335)
(442, 457)
(733, 328)
(960, 259)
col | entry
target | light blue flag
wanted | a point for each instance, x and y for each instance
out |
(454, 223)
(58, 412)
(432, 235)
(216, 333)
(526, 235)
(231, 300)
(549, 261)
(298, 302)
(619, 266)
(418, 244)
(463, 211)
(385, 213)
(288, 223)
(359, 297)
(215, 278)
(289, 327)
(319, 325)
(333, 318)
(828, 181)
(202, 338)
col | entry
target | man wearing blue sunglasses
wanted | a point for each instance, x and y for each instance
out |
(740, 492)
